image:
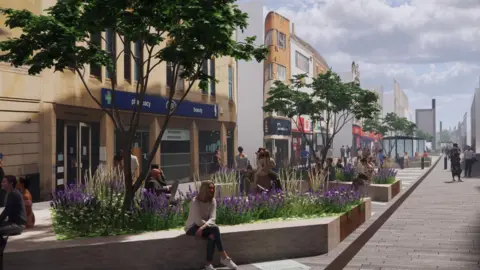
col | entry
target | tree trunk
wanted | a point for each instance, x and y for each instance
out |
(125, 142)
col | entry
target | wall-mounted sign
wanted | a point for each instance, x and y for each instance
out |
(303, 124)
(276, 126)
(158, 105)
(176, 135)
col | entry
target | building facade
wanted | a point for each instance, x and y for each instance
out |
(51, 127)
(305, 60)
(425, 120)
(475, 121)
(250, 85)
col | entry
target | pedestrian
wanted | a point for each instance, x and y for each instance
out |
(241, 165)
(468, 156)
(455, 162)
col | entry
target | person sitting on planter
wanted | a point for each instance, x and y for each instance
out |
(157, 183)
(22, 186)
(14, 209)
(330, 171)
(362, 176)
(339, 164)
(262, 179)
(201, 223)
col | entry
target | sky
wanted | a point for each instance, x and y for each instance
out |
(430, 47)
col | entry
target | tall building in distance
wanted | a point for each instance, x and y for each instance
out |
(425, 120)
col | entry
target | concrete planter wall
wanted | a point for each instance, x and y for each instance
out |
(246, 243)
(377, 192)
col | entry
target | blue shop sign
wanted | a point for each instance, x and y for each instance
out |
(158, 105)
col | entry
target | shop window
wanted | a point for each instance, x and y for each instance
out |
(208, 143)
(175, 154)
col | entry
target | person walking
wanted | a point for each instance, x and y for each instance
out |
(468, 157)
(455, 163)
(241, 165)
(343, 154)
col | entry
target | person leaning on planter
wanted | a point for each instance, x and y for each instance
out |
(201, 223)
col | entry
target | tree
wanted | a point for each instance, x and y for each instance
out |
(332, 102)
(391, 125)
(183, 34)
(424, 135)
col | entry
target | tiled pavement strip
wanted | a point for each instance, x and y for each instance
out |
(389, 247)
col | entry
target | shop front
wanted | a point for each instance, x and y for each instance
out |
(77, 149)
(301, 144)
(277, 135)
(178, 155)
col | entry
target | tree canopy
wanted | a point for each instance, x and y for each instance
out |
(181, 33)
(330, 101)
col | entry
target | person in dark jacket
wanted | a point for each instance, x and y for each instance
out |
(157, 183)
(14, 217)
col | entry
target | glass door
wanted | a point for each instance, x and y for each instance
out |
(84, 151)
(71, 158)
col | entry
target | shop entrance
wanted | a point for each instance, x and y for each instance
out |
(78, 151)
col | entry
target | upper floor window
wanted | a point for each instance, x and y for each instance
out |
(180, 86)
(111, 48)
(302, 62)
(95, 69)
(205, 71)
(230, 83)
(127, 61)
(281, 73)
(269, 38)
(212, 74)
(281, 40)
(269, 72)
(170, 72)
(138, 52)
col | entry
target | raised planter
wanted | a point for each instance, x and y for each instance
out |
(248, 243)
(377, 192)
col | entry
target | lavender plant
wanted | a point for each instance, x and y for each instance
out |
(385, 176)
(95, 208)
(346, 174)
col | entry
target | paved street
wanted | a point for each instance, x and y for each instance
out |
(408, 177)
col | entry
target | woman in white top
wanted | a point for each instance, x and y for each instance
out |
(201, 223)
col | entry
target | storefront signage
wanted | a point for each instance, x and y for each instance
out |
(303, 124)
(176, 135)
(158, 105)
(276, 126)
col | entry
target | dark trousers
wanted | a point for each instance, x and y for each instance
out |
(8, 228)
(468, 167)
(209, 233)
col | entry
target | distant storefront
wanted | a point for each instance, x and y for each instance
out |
(277, 136)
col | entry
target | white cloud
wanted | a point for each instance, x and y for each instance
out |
(429, 46)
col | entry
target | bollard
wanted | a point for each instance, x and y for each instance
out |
(422, 163)
(445, 163)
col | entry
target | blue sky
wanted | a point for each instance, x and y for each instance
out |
(431, 47)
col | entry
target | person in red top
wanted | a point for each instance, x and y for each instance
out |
(425, 154)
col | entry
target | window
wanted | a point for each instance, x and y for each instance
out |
(230, 83)
(170, 72)
(180, 81)
(138, 51)
(212, 74)
(302, 62)
(111, 48)
(127, 61)
(269, 38)
(205, 71)
(96, 70)
(281, 40)
(269, 72)
(281, 73)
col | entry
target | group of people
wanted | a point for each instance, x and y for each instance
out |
(454, 154)
(17, 214)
